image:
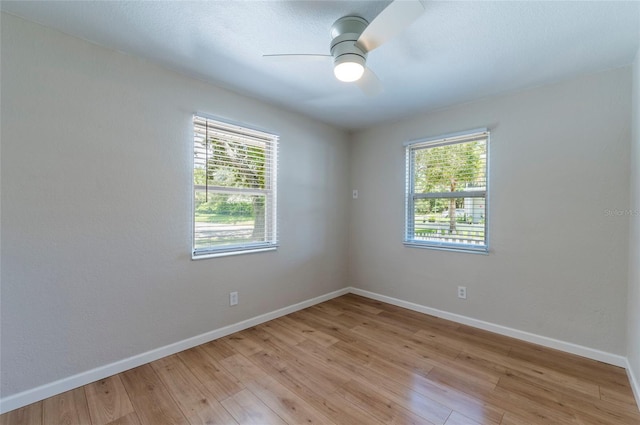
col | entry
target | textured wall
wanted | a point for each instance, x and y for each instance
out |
(559, 160)
(96, 209)
(633, 343)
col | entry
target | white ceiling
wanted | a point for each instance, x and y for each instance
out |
(455, 52)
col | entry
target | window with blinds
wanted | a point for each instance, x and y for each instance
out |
(446, 192)
(234, 188)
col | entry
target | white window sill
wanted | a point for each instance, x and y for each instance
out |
(482, 251)
(230, 253)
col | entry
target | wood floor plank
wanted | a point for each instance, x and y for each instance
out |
(440, 339)
(243, 345)
(242, 369)
(340, 411)
(365, 318)
(598, 410)
(474, 408)
(457, 419)
(380, 406)
(538, 401)
(279, 360)
(220, 383)
(198, 405)
(352, 361)
(624, 400)
(290, 407)
(130, 419)
(341, 317)
(402, 341)
(486, 340)
(576, 366)
(69, 408)
(369, 301)
(358, 303)
(247, 409)
(276, 329)
(307, 331)
(327, 308)
(507, 366)
(402, 394)
(398, 387)
(511, 418)
(331, 327)
(468, 375)
(449, 378)
(400, 355)
(321, 397)
(412, 401)
(107, 400)
(305, 377)
(329, 359)
(271, 363)
(27, 415)
(418, 321)
(150, 398)
(218, 349)
(557, 402)
(469, 405)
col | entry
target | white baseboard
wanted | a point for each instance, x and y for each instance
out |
(634, 380)
(568, 347)
(33, 395)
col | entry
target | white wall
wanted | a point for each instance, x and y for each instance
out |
(96, 209)
(559, 158)
(633, 322)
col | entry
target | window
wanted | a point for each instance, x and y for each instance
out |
(446, 192)
(234, 188)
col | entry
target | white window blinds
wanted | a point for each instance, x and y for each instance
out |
(446, 192)
(234, 178)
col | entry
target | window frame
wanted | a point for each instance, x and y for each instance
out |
(411, 146)
(270, 192)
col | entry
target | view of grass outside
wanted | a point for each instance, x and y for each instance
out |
(434, 225)
(225, 219)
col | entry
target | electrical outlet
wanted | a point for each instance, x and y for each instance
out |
(462, 292)
(355, 193)
(233, 298)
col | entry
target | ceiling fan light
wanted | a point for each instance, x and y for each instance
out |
(349, 68)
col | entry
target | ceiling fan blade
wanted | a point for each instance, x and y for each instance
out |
(369, 83)
(391, 21)
(297, 57)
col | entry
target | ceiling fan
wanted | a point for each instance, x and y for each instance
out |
(352, 38)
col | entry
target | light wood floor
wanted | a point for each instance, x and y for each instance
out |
(352, 361)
